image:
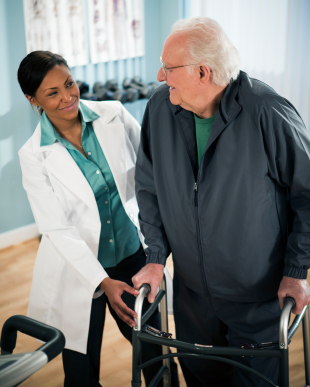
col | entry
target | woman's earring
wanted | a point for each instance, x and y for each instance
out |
(38, 108)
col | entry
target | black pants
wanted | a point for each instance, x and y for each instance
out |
(84, 370)
(201, 320)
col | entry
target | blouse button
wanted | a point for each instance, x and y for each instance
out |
(97, 172)
(111, 240)
(108, 221)
(89, 153)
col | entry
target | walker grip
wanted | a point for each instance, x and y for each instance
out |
(291, 299)
(147, 286)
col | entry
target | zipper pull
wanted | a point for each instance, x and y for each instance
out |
(195, 194)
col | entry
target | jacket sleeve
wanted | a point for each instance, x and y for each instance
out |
(51, 220)
(288, 151)
(149, 216)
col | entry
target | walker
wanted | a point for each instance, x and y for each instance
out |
(15, 368)
(279, 350)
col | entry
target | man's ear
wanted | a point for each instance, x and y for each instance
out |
(32, 100)
(205, 73)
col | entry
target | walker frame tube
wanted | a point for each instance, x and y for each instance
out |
(213, 353)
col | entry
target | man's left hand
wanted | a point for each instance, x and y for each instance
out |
(298, 289)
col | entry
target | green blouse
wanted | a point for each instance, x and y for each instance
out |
(118, 237)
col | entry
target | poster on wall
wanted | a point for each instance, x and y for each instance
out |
(116, 29)
(57, 26)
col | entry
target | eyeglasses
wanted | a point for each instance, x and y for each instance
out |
(176, 67)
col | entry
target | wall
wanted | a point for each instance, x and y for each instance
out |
(277, 54)
(17, 120)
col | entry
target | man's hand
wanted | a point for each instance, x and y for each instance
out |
(151, 274)
(297, 289)
(114, 289)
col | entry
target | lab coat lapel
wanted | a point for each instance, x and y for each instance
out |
(111, 137)
(63, 167)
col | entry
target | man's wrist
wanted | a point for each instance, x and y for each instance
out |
(155, 258)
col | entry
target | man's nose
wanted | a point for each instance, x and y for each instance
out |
(161, 76)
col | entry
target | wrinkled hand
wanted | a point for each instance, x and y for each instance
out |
(151, 274)
(114, 289)
(296, 288)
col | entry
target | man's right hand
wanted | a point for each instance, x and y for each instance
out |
(151, 274)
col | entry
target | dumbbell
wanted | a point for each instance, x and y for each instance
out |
(83, 86)
(132, 94)
(104, 92)
(111, 91)
(138, 81)
(97, 86)
(119, 94)
(89, 96)
(111, 84)
(145, 90)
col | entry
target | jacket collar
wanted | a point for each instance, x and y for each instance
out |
(227, 107)
(227, 111)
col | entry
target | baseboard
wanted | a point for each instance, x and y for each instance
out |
(18, 235)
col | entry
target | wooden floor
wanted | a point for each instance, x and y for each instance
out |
(16, 265)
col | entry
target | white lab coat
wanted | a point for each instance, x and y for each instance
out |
(67, 271)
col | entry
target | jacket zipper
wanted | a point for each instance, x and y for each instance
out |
(199, 238)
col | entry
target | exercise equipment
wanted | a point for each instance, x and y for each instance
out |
(110, 91)
(15, 368)
(89, 96)
(83, 86)
(144, 89)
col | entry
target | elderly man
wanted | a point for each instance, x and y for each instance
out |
(223, 182)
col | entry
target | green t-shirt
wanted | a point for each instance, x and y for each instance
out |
(203, 129)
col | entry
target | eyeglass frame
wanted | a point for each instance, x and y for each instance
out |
(163, 66)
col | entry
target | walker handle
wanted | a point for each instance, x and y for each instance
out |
(290, 299)
(147, 286)
(53, 338)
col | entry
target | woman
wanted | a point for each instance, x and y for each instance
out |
(78, 172)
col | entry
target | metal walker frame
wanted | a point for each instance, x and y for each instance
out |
(214, 353)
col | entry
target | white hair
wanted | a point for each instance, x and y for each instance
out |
(208, 44)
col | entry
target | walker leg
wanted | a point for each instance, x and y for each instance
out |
(136, 357)
(164, 327)
(306, 337)
(284, 368)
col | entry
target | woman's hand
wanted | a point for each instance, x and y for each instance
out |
(114, 289)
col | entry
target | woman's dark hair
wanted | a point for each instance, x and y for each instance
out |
(34, 67)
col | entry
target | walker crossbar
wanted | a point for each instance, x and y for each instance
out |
(215, 358)
(216, 352)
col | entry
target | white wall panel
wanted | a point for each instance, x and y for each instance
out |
(273, 39)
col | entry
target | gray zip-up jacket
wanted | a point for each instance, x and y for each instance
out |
(242, 221)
